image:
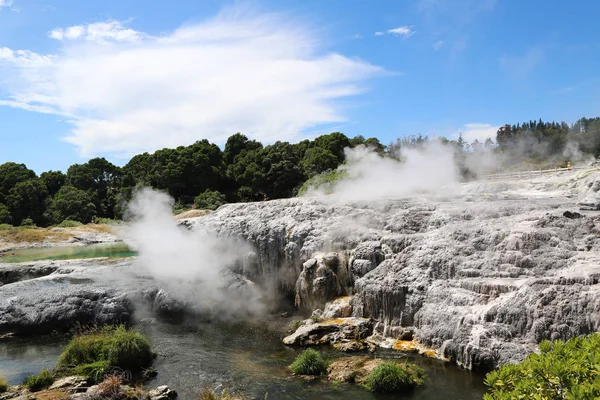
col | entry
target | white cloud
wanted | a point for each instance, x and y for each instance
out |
(438, 45)
(404, 31)
(125, 91)
(475, 131)
(378, 33)
(6, 3)
(97, 32)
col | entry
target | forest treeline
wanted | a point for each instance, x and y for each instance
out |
(246, 170)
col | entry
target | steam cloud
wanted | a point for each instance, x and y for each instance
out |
(193, 267)
(369, 176)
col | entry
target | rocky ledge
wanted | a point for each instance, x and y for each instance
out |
(76, 387)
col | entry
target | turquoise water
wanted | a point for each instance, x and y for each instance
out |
(110, 250)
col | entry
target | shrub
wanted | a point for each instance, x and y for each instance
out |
(69, 223)
(5, 227)
(97, 353)
(36, 383)
(3, 385)
(394, 377)
(27, 222)
(562, 370)
(209, 200)
(310, 362)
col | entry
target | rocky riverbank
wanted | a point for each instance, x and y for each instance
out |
(77, 387)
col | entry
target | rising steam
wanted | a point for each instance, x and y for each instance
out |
(368, 176)
(194, 267)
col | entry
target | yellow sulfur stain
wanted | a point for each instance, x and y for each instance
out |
(406, 345)
(336, 321)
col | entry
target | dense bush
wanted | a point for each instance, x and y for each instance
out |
(309, 362)
(3, 385)
(69, 223)
(394, 377)
(209, 200)
(562, 370)
(38, 382)
(96, 353)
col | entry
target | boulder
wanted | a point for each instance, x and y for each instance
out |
(346, 334)
(162, 393)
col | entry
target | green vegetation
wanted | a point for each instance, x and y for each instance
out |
(209, 200)
(309, 362)
(96, 353)
(294, 325)
(323, 182)
(39, 382)
(562, 370)
(394, 377)
(245, 170)
(69, 223)
(3, 385)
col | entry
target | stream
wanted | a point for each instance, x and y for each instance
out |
(240, 357)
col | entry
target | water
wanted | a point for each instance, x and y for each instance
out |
(111, 250)
(20, 357)
(248, 359)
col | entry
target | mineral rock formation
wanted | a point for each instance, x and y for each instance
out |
(482, 277)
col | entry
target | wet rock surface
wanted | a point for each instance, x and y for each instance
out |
(351, 369)
(345, 334)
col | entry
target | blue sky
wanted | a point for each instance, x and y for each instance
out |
(111, 78)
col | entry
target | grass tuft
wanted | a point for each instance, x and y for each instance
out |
(38, 382)
(99, 352)
(3, 385)
(110, 388)
(394, 377)
(309, 362)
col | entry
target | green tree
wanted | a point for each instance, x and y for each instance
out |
(4, 214)
(71, 203)
(53, 180)
(563, 370)
(282, 174)
(317, 160)
(183, 172)
(27, 200)
(10, 174)
(376, 145)
(357, 140)
(209, 200)
(335, 142)
(101, 180)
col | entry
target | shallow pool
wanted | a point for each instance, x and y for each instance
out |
(110, 250)
(247, 358)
